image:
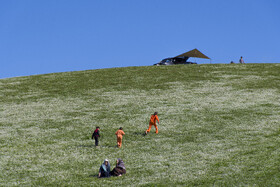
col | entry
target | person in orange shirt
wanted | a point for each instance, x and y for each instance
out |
(119, 135)
(153, 120)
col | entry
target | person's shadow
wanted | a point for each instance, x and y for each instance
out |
(139, 133)
(86, 146)
(98, 147)
(96, 175)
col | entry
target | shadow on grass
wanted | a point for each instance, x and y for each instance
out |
(98, 147)
(86, 146)
(95, 176)
(139, 133)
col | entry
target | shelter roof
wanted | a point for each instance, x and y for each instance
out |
(193, 53)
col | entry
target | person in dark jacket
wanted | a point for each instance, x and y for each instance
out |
(119, 170)
(96, 135)
(104, 170)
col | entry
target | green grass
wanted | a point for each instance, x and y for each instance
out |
(219, 126)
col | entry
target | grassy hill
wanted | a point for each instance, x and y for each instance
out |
(219, 126)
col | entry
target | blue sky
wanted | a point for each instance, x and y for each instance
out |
(47, 36)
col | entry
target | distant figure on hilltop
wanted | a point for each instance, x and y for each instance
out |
(241, 61)
(153, 120)
(119, 135)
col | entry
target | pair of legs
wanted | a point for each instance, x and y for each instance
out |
(150, 126)
(119, 140)
(96, 141)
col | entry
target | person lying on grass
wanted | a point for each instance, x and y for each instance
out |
(104, 170)
(119, 170)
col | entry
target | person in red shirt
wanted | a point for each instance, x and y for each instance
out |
(119, 135)
(153, 120)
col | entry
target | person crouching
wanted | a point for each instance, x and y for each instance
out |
(119, 170)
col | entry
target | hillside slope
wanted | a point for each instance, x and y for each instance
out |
(219, 126)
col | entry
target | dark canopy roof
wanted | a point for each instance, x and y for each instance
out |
(194, 53)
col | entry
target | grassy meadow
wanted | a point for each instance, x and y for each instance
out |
(220, 126)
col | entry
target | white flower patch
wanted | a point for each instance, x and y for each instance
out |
(40, 110)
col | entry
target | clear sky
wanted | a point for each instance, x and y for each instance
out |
(47, 36)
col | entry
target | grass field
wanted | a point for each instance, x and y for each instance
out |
(220, 126)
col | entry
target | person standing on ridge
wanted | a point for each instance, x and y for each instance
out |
(96, 135)
(241, 61)
(153, 120)
(119, 135)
